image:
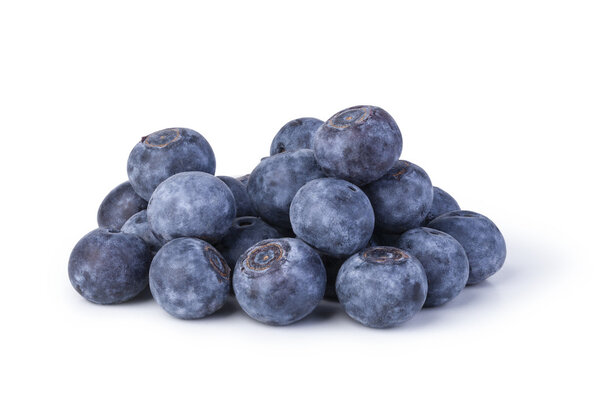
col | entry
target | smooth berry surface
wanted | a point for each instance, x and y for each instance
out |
(444, 260)
(381, 287)
(189, 278)
(279, 281)
(295, 135)
(191, 204)
(480, 237)
(332, 215)
(165, 153)
(108, 266)
(359, 144)
(275, 181)
(243, 205)
(244, 179)
(138, 225)
(401, 198)
(118, 206)
(442, 203)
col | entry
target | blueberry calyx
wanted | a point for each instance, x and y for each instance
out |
(162, 138)
(266, 256)
(218, 263)
(384, 255)
(349, 117)
(403, 169)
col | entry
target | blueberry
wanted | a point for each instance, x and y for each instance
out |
(191, 204)
(279, 281)
(332, 215)
(165, 153)
(275, 181)
(108, 266)
(118, 206)
(444, 260)
(359, 144)
(138, 225)
(442, 203)
(295, 135)
(244, 233)
(401, 198)
(243, 205)
(381, 287)
(481, 239)
(244, 179)
(189, 278)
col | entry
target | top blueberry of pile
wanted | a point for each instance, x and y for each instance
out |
(308, 222)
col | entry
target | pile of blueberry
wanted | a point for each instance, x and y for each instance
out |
(330, 213)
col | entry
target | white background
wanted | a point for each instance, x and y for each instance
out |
(498, 101)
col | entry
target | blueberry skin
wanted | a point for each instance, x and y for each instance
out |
(244, 179)
(444, 260)
(332, 215)
(295, 135)
(109, 267)
(165, 153)
(279, 281)
(381, 287)
(139, 226)
(275, 181)
(359, 144)
(191, 204)
(243, 205)
(442, 203)
(481, 239)
(189, 278)
(244, 233)
(118, 206)
(401, 198)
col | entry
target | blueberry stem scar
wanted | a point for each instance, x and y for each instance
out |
(337, 121)
(384, 255)
(271, 253)
(161, 142)
(217, 263)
